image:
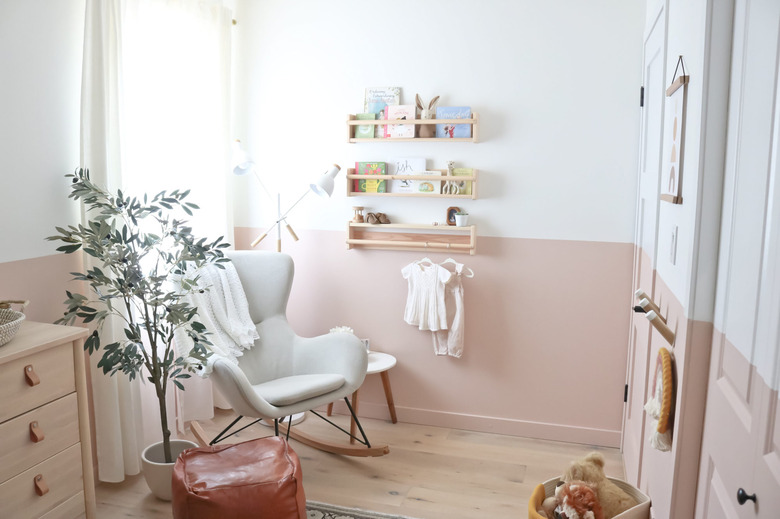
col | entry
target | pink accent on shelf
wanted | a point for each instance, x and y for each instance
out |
(545, 319)
(42, 281)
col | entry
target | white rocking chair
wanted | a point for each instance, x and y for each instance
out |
(284, 374)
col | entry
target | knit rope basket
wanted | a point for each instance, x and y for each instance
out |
(10, 320)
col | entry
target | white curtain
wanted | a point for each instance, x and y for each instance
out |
(155, 115)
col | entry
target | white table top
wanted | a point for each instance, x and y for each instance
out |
(379, 362)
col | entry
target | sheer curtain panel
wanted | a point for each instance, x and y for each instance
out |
(154, 115)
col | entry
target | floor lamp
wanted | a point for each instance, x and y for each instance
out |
(322, 185)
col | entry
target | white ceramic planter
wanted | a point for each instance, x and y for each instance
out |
(157, 473)
(461, 220)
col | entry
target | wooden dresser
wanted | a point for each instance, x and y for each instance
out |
(45, 450)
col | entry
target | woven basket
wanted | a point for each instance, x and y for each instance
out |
(10, 321)
(547, 489)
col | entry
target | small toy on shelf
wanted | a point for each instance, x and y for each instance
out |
(426, 130)
(358, 218)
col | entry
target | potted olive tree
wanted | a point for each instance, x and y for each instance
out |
(146, 263)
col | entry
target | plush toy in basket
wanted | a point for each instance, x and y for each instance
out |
(585, 492)
(10, 320)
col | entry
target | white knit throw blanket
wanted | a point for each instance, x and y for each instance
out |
(224, 311)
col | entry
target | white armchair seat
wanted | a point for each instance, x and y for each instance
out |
(291, 390)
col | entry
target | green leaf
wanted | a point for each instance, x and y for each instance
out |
(67, 249)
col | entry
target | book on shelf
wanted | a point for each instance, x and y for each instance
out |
(376, 101)
(428, 186)
(365, 131)
(405, 166)
(370, 185)
(400, 112)
(464, 186)
(449, 130)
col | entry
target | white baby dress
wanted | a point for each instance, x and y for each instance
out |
(435, 302)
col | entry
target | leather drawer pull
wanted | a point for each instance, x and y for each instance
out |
(41, 487)
(31, 376)
(36, 433)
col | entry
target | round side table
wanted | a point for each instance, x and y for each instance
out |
(381, 363)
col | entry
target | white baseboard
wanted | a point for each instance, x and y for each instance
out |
(540, 430)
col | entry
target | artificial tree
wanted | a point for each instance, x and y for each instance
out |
(147, 263)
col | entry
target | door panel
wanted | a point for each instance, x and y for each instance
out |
(645, 240)
(741, 432)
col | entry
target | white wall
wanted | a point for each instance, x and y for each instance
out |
(40, 56)
(555, 83)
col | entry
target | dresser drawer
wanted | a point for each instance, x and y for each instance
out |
(70, 509)
(52, 369)
(57, 422)
(61, 474)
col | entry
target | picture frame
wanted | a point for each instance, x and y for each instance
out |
(671, 173)
(451, 211)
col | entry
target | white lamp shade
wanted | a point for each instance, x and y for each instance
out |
(323, 186)
(241, 162)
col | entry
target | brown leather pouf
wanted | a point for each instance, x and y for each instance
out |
(258, 479)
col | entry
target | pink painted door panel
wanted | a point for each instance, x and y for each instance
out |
(639, 363)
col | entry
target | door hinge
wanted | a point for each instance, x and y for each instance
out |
(641, 96)
(625, 394)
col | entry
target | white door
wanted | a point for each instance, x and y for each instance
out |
(741, 428)
(646, 235)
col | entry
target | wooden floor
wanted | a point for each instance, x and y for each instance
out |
(430, 473)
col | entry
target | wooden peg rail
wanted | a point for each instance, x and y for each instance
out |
(413, 237)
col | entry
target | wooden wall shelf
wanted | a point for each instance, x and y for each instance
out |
(425, 238)
(352, 122)
(442, 177)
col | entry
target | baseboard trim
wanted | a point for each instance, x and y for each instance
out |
(491, 424)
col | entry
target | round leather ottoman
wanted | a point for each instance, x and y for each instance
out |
(258, 479)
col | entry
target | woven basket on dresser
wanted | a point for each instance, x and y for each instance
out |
(10, 320)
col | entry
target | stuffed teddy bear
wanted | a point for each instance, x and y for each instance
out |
(590, 469)
(573, 500)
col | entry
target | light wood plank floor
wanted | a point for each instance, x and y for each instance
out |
(430, 473)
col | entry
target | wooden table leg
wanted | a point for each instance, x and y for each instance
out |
(389, 395)
(352, 424)
(330, 408)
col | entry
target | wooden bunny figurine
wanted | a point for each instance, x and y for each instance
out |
(427, 130)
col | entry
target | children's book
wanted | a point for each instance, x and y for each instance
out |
(370, 185)
(450, 131)
(376, 101)
(402, 112)
(405, 166)
(365, 131)
(428, 186)
(464, 186)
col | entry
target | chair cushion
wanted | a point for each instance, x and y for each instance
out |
(289, 390)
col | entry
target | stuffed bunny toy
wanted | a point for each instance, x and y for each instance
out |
(427, 130)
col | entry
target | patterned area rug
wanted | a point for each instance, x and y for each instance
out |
(315, 510)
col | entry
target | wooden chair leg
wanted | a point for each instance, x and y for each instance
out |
(199, 434)
(389, 395)
(330, 408)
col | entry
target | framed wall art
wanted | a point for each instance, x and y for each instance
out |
(674, 136)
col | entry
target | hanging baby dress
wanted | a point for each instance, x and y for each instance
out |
(425, 306)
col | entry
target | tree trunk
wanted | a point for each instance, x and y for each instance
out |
(166, 433)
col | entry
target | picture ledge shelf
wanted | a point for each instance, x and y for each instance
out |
(352, 122)
(413, 237)
(442, 177)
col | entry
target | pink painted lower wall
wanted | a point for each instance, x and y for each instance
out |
(42, 281)
(546, 331)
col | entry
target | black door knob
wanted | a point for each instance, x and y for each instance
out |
(743, 496)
